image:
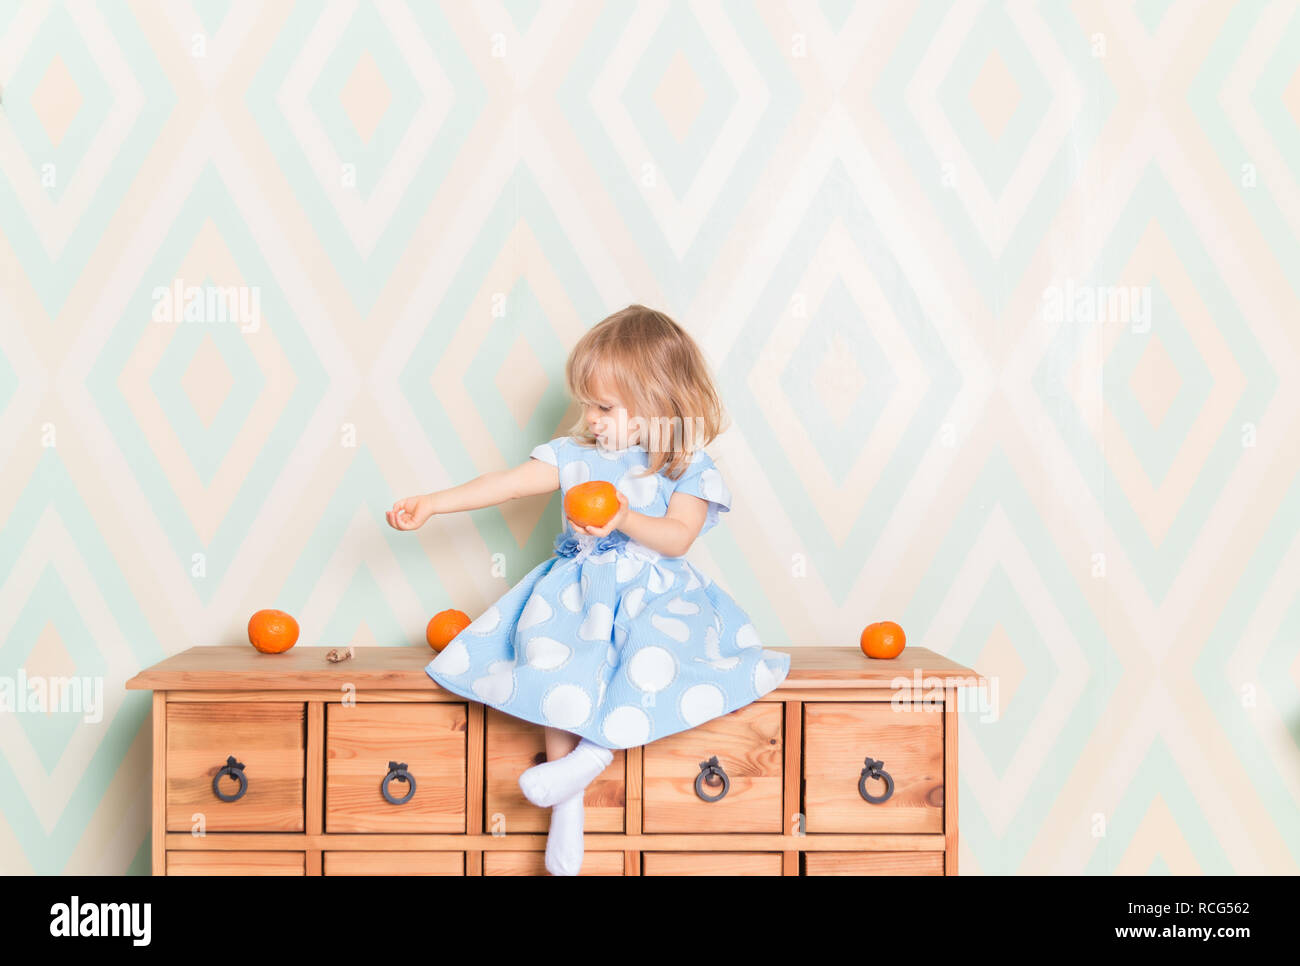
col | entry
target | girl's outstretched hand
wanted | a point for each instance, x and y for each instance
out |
(410, 513)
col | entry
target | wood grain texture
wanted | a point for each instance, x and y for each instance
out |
(635, 804)
(838, 737)
(536, 841)
(873, 863)
(792, 797)
(325, 696)
(951, 844)
(158, 805)
(534, 863)
(236, 667)
(394, 863)
(475, 766)
(711, 863)
(236, 863)
(267, 738)
(360, 741)
(748, 746)
(315, 794)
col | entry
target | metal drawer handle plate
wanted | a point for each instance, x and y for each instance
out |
(713, 774)
(875, 769)
(397, 770)
(235, 769)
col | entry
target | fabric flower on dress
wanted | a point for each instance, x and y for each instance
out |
(571, 545)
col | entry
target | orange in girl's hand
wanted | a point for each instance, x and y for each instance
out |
(591, 504)
(883, 639)
(444, 626)
(272, 631)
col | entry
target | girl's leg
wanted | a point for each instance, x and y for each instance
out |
(571, 764)
(559, 743)
(564, 849)
(564, 845)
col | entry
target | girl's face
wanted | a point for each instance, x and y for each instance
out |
(603, 415)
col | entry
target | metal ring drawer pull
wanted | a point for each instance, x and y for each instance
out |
(397, 770)
(875, 769)
(235, 769)
(711, 771)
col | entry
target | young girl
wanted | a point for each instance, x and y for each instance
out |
(616, 640)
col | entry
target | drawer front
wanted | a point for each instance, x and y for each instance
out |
(267, 738)
(534, 863)
(393, 863)
(873, 863)
(840, 736)
(236, 863)
(515, 745)
(711, 863)
(749, 745)
(361, 740)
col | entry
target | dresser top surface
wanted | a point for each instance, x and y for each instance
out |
(241, 667)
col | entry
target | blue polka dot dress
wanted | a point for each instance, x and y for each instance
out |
(608, 639)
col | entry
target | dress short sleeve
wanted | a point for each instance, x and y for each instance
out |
(548, 452)
(702, 479)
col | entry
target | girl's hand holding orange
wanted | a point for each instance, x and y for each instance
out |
(410, 513)
(614, 522)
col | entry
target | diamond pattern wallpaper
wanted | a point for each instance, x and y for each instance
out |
(1003, 301)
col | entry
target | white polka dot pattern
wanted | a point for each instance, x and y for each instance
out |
(452, 659)
(546, 453)
(571, 474)
(498, 685)
(546, 653)
(486, 622)
(639, 490)
(598, 623)
(651, 669)
(571, 597)
(566, 706)
(672, 627)
(536, 611)
(627, 726)
(701, 703)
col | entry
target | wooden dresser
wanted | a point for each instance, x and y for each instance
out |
(287, 764)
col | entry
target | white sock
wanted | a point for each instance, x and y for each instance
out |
(564, 841)
(554, 781)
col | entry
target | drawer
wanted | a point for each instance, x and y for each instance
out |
(840, 736)
(393, 863)
(749, 747)
(361, 741)
(873, 863)
(710, 863)
(534, 863)
(267, 738)
(236, 863)
(515, 745)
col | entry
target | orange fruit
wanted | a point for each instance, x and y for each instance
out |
(883, 639)
(591, 504)
(272, 631)
(443, 626)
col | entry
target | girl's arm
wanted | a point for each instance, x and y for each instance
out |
(671, 534)
(527, 479)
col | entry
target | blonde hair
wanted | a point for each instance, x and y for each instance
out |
(663, 380)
